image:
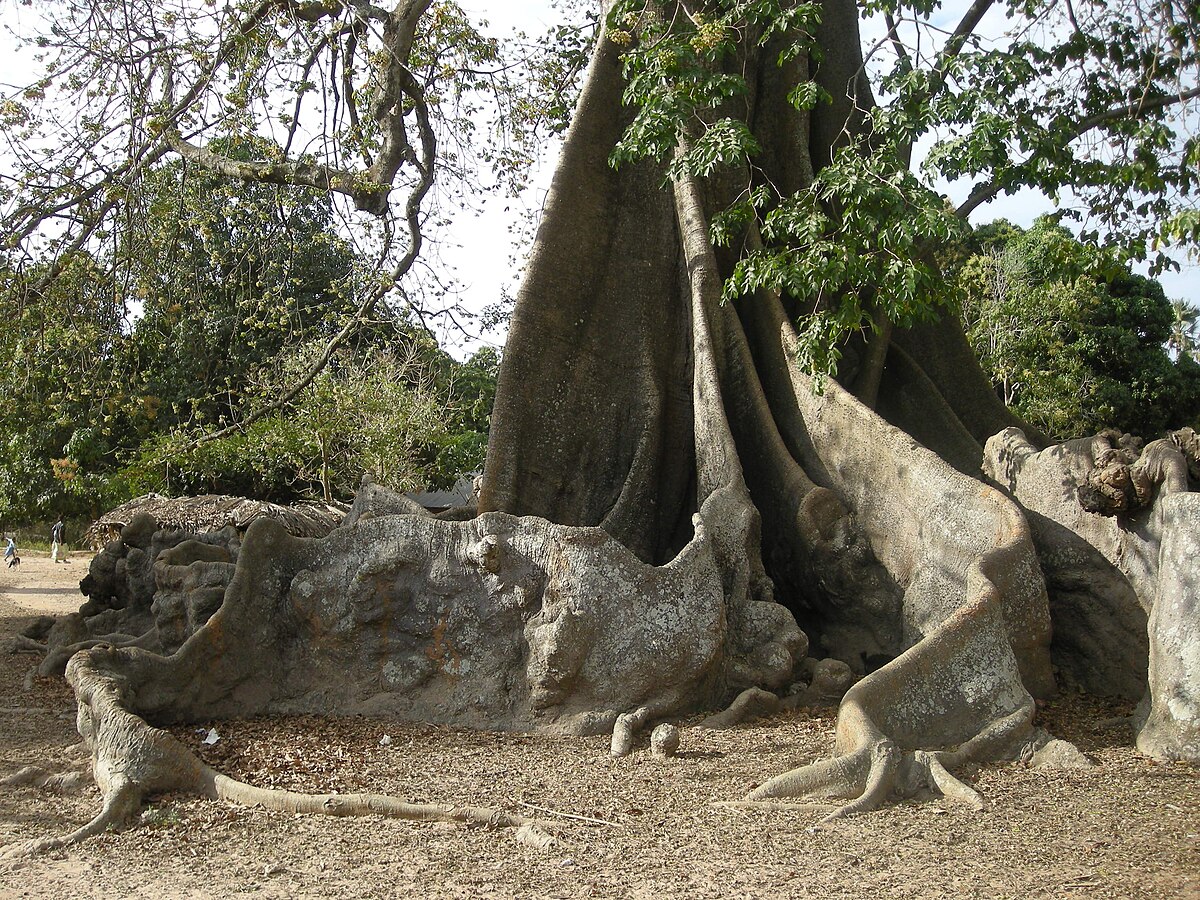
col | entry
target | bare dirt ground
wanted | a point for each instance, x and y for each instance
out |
(1126, 828)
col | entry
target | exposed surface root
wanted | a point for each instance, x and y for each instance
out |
(870, 779)
(131, 761)
(56, 659)
(841, 776)
(949, 786)
(628, 725)
(881, 781)
(221, 787)
(878, 771)
(534, 837)
(750, 704)
(625, 730)
(39, 629)
(121, 803)
(47, 780)
(23, 644)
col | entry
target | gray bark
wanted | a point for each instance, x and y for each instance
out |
(1123, 586)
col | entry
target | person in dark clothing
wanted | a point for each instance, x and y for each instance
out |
(56, 536)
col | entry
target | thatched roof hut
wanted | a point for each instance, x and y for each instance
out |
(212, 512)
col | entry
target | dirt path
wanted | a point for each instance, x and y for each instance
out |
(1126, 828)
(40, 587)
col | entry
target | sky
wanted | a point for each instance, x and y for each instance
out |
(482, 249)
(479, 249)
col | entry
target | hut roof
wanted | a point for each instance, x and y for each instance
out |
(211, 512)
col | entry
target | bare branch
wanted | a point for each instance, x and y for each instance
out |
(426, 169)
(297, 173)
(987, 191)
(897, 45)
(1136, 110)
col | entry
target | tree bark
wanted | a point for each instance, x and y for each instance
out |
(671, 513)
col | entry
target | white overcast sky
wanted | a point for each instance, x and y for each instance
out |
(479, 249)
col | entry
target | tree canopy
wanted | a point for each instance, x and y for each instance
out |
(233, 291)
(1074, 342)
(1092, 106)
(349, 132)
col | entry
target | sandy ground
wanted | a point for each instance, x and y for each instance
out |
(1127, 827)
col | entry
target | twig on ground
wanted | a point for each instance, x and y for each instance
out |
(564, 815)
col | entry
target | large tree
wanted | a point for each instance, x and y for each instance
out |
(680, 503)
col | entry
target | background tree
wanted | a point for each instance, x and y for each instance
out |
(1074, 342)
(1183, 329)
(229, 276)
(214, 165)
(227, 290)
(64, 397)
(394, 116)
(399, 410)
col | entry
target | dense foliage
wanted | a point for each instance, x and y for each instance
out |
(215, 220)
(403, 412)
(200, 198)
(1074, 341)
(62, 396)
(231, 293)
(1082, 103)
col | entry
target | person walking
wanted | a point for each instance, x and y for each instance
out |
(56, 536)
(10, 552)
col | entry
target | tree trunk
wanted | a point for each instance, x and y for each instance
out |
(671, 513)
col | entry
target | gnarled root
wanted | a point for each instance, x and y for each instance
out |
(749, 704)
(939, 777)
(880, 769)
(69, 780)
(628, 725)
(1124, 477)
(881, 780)
(625, 730)
(131, 761)
(56, 659)
(1188, 443)
(121, 803)
(47, 780)
(841, 776)
(23, 644)
(32, 638)
(221, 787)
(829, 681)
(869, 776)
